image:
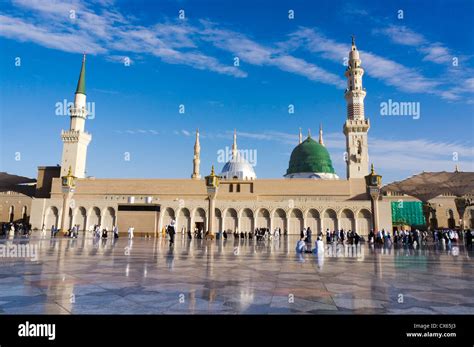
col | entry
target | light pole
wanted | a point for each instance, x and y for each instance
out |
(212, 184)
(68, 184)
(374, 183)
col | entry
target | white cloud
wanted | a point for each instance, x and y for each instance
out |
(433, 51)
(401, 35)
(251, 52)
(18, 29)
(436, 53)
(49, 24)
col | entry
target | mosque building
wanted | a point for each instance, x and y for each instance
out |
(310, 193)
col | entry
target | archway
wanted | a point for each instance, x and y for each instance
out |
(81, 218)
(313, 220)
(52, 217)
(217, 220)
(347, 221)
(184, 219)
(263, 218)
(279, 219)
(471, 218)
(200, 219)
(330, 220)
(364, 222)
(108, 221)
(24, 214)
(70, 218)
(246, 220)
(296, 221)
(451, 220)
(11, 213)
(230, 220)
(94, 218)
(168, 216)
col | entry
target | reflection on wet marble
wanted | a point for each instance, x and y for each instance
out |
(146, 276)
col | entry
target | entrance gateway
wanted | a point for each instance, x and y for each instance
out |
(143, 217)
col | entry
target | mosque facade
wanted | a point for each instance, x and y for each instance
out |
(310, 193)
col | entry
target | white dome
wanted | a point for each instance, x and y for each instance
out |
(238, 168)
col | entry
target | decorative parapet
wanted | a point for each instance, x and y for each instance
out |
(356, 125)
(74, 135)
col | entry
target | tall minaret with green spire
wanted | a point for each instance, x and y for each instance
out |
(76, 140)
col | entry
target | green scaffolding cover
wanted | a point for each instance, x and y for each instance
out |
(407, 212)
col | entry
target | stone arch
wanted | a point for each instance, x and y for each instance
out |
(168, 216)
(330, 220)
(347, 220)
(313, 220)
(218, 219)
(108, 221)
(451, 219)
(470, 215)
(296, 221)
(200, 219)
(94, 216)
(70, 218)
(184, 219)
(263, 218)
(24, 213)
(52, 217)
(279, 219)
(11, 214)
(246, 220)
(81, 218)
(364, 221)
(230, 220)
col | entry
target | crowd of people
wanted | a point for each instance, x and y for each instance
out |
(15, 229)
(343, 237)
(413, 237)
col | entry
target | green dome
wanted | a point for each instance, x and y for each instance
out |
(310, 156)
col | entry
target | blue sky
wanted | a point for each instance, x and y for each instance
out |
(190, 61)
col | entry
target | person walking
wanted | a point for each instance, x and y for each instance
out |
(309, 234)
(171, 232)
(116, 232)
(130, 232)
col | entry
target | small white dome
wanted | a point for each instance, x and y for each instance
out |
(238, 168)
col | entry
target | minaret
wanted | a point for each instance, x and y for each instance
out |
(356, 126)
(76, 140)
(309, 132)
(234, 146)
(321, 142)
(300, 138)
(196, 158)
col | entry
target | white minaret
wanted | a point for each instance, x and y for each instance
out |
(196, 158)
(76, 140)
(234, 146)
(300, 137)
(356, 126)
(321, 141)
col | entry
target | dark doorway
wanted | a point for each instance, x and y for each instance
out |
(200, 226)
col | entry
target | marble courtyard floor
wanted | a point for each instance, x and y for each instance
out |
(83, 276)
